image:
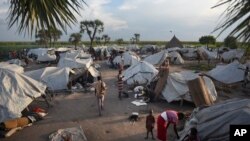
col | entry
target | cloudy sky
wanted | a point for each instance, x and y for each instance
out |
(152, 19)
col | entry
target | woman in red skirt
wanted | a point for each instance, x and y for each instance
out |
(164, 120)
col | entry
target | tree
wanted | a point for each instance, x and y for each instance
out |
(237, 14)
(91, 27)
(54, 34)
(43, 36)
(98, 40)
(207, 40)
(119, 41)
(34, 15)
(105, 38)
(75, 38)
(230, 42)
(137, 37)
(132, 40)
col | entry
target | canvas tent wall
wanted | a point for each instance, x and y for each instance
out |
(17, 91)
(12, 67)
(157, 58)
(176, 58)
(213, 123)
(189, 53)
(232, 54)
(207, 54)
(43, 54)
(55, 78)
(140, 73)
(228, 74)
(174, 42)
(130, 58)
(177, 88)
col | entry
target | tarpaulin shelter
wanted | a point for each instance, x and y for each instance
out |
(130, 58)
(157, 58)
(12, 67)
(140, 73)
(17, 91)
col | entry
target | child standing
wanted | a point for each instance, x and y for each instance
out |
(150, 122)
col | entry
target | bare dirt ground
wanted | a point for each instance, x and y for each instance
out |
(80, 109)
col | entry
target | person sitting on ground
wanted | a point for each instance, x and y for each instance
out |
(150, 123)
(164, 120)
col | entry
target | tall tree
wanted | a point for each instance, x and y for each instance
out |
(137, 37)
(75, 38)
(98, 40)
(91, 28)
(119, 41)
(105, 38)
(207, 40)
(54, 35)
(230, 42)
(33, 15)
(237, 15)
(43, 37)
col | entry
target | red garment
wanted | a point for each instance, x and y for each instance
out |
(161, 129)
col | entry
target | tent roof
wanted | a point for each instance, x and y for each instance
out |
(174, 42)
(17, 91)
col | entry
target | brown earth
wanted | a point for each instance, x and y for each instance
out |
(80, 109)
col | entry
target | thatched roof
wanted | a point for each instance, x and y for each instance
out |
(174, 42)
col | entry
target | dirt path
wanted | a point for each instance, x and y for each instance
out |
(80, 109)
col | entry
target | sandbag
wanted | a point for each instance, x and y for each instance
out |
(199, 92)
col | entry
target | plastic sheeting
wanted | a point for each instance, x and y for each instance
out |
(55, 78)
(75, 63)
(11, 67)
(129, 58)
(140, 73)
(232, 54)
(228, 74)
(157, 58)
(189, 52)
(213, 122)
(208, 54)
(69, 134)
(43, 54)
(17, 91)
(176, 58)
(17, 62)
(177, 88)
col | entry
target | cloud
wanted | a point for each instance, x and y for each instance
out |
(127, 7)
(96, 10)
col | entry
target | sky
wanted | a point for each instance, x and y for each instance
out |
(154, 20)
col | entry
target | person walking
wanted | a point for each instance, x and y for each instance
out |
(100, 91)
(150, 123)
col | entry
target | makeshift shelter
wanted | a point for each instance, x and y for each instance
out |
(176, 87)
(130, 58)
(207, 54)
(174, 42)
(213, 123)
(132, 47)
(157, 58)
(17, 91)
(176, 58)
(12, 67)
(232, 54)
(42, 54)
(148, 48)
(140, 73)
(17, 62)
(75, 63)
(189, 53)
(55, 78)
(227, 74)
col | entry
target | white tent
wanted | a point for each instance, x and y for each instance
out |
(148, 48)
(176, 58)
(132, 47)
(140, 73)
(190, 53)
(232, 54)
(177, 88)
(17, 91)
(157, 58)
(12, 67)
(129, 58)
(208, 54)
(75, 63)
(228, 74)
(55, 78)
(17, 62)
(43, 54)
(173, 49)
(213, 123)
